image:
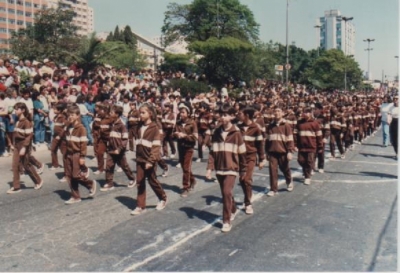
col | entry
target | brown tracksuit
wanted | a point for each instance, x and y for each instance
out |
(148, 151)
(168, 124)
(338, 126)
(76, 138)
(309, 142)
(104, 136)
(229, 154)
(133, 127)
(253, 138)
(203, 124)
(96, 133)
(59, 124)
(23, 134)
(118, 141)
(279, 144)
(186, 149)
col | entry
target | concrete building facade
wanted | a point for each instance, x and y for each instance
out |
(336, 32)
(16, 14)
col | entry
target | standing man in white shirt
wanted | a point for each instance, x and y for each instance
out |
(385, 107)
(394, 124)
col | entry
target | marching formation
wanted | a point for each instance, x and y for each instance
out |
(266, 124)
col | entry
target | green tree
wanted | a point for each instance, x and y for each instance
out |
(51, 34)
(329, 70)
(225, 59)
(117, 34)
(129, 38)
(110, 37)
(203, 19)
(178, 62)
(124, 57)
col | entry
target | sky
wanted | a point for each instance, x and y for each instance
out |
(373, 19)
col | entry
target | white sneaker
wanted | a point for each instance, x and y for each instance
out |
(226, 227)
(272, 193)
(39, 186)
(165, 173)
(92, 191)
(5, 154)
(198, 160)
(164, 157)
(342, 156)
(312, 172)
(53, 168)
(132, 184)
(107, 188)
(12, 191)
(290, 186)
(98, 172)
(119, 170)
(179, 165)
(321, 171)
(307, 181)
(72, 201)
(172, 156)
(138, 211)
(233, 215)
(249, 210)
(161, 204)
(64, 179)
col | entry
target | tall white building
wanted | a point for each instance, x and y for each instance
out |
(84, 18)
(336, 32)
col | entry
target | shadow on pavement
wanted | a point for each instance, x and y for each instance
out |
(376, 155)
(372, 144)
(128, 202)
(203, 177)
(378, 174)
(64, 195)
(172, 188)
(201, 214)
(212, 198)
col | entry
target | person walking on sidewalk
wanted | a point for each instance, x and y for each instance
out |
(228, 151)
(253, 138)
(116, 149)
(23, 134)
(75, 168)
(280, 150)
(309, 142)
(148, 147)
(186, 133)
(394, 124)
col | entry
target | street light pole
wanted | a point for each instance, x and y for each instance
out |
(346, 19)
(318, 27)
(369, 50)
(287, 44)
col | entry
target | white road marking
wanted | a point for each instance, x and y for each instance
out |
(356, 182)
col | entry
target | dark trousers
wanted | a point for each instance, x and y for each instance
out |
(226, 184)
(55, 145)
(200, 143)
(185, 159)
(75, 174)
(131, 138)
(150, 174)
(394, 139)
(306, 161)
(278, 160)
(335, 137)
(23, 161)
(168, 141)
(320, 157)
(101, 149)
(247, 181)
(120, 160)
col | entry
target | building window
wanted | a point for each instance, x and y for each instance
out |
(20, 12)
(3, 30)
(28, 4)
(2, 9)
(36, 6)
(20, 22)
(11, 10)
(2, 19)
(11, 21)
(19, 2)
(11, 1)
(28, 24)
(28, 14)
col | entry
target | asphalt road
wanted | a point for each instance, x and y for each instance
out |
(346, 220)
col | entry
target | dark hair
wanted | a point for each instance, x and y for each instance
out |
(152, 110)
(249, 111)
(204, 105)
(117, 109)
(74, 109)
(35, 95)
(227, 109)
(60, 107)
(80, 99)
(22, 106)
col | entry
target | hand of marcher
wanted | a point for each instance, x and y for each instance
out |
(261, 164)
(22, 151)
(148, 166)
(81, 161)
(289, 156)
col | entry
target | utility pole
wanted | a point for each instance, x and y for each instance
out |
(318, 27)
(287, 44)
(369, 50)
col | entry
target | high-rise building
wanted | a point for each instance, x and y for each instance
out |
(336, 32)
(16, 14)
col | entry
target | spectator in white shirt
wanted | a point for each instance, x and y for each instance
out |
(385, 107)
